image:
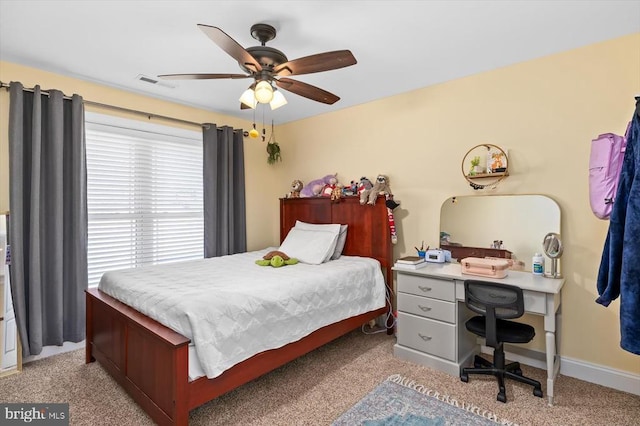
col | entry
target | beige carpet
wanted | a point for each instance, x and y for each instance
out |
(316, 389)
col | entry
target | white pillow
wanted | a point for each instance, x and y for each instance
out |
(342, 237)
(310, 246)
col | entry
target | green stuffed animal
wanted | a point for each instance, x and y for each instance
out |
(276, 259)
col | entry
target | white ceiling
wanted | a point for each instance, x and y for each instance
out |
(399, 45)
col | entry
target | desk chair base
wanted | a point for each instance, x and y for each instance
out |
(511, 371)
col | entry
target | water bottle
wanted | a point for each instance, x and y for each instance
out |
(537, 264)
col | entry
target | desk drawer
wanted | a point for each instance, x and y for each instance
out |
(425, 286)
(426, 335)
(427, 307)
(534, 302)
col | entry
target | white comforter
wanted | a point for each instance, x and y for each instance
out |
(232, 308)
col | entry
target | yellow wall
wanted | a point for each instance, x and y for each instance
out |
(544, 112)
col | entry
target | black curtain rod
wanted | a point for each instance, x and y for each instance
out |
(133, 111)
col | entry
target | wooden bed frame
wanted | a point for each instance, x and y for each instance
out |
(150, 361)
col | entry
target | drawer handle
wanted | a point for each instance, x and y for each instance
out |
(425, 338)
(425, 289)
(424, 308)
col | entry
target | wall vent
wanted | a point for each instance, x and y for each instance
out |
(155, 81)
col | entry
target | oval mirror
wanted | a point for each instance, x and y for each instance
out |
(552, 246)
(484, 166)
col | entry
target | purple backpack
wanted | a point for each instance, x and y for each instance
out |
(605, 163)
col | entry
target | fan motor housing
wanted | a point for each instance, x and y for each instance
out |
(267, 57)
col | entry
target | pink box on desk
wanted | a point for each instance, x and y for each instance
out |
(492, 268)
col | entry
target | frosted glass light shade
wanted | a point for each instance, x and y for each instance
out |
(278, 100)
(248, 98)
(264, 92)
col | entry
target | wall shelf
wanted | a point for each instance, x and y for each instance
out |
(487, 175)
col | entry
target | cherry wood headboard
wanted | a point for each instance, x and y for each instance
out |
(368, 234)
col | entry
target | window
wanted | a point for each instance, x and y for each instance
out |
(144, 194)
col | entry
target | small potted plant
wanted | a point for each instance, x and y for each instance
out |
(475, 166)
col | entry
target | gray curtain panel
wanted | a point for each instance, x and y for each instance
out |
(48, 225)
(225, 222)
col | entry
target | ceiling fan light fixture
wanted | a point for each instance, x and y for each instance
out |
(264, 92)
(248, 98)
(264, 65)
(278, 100)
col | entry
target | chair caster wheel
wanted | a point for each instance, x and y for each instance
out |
(464, 377)
(517, 371)
(537, 392)
(502, 397)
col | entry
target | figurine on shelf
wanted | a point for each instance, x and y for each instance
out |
(497, 161)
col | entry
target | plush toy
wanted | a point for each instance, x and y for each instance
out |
(314, 188)
(351, 189)
(296, 187)
(364, 185)
(336, 193)
(381, 187)
(276, 259)
(329, 187)
(392, 222)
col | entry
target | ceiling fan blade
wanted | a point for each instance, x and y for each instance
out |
(243, 106)
(307, 90)
(231, 46)
(201, 76)
(316, 63)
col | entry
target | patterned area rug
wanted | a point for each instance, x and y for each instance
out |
(400, 401)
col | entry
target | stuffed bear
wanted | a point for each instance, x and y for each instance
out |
(296, 187)
(381, 187)
(314, 188)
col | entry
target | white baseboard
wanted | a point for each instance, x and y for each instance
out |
(605, 376)
(592, 373)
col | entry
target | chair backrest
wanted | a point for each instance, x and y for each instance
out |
(494, 301)
(505, 300)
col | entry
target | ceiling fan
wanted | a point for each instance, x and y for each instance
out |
(268, 66)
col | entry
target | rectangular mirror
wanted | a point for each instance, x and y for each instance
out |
(520, 222)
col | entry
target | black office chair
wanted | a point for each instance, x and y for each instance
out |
(496, 303)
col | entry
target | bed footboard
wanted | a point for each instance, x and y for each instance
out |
(149, 361)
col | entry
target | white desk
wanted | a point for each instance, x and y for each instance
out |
(431, 320)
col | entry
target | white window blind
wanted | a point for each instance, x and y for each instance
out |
(144, 195)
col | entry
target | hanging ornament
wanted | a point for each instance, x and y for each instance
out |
(273, 149)
(253, 133)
